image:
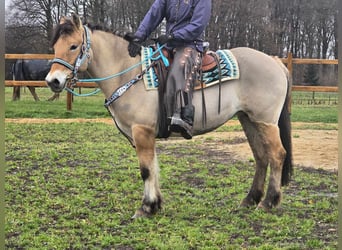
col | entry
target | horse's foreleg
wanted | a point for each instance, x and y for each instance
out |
(33, 93)
(54, 97)
(144, 140)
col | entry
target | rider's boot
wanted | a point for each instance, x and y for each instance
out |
(182, 121)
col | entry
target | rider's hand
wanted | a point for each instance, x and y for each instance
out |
(164, 39)
(134, 46)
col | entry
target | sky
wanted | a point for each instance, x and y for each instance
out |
(7, 2)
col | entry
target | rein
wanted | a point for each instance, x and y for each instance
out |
(101, 79)
(121, 90)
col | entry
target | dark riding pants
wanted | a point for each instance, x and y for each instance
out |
(182, 77)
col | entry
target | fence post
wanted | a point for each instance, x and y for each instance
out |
(289, 63)
(69, 101)
(290, 69)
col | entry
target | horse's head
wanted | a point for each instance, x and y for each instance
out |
(71, 43)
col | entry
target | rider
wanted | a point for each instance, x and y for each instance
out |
(186, 21)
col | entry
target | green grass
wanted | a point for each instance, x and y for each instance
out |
(92, 107)
(76, 185)
(314, 107)
(82, 107)
(325, 114)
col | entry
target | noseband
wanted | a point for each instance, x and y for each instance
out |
(84, 53)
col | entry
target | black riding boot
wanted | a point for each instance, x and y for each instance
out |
(182, 120)
(187, 114)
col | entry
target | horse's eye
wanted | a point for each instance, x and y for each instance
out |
(73, 47)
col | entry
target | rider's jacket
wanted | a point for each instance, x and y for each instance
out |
(185, 21)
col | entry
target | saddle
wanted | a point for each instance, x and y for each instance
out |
(209, 60)
(216, 67)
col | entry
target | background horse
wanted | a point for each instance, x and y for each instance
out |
(259, 98)
(34, 70)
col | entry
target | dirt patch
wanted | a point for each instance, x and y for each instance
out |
(311, 147)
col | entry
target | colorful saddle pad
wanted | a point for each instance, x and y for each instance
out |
(227, 62)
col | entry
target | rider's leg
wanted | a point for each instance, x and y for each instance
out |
(181, 79)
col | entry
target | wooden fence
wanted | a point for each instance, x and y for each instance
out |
(289, 61)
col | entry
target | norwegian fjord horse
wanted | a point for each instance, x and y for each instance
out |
(259, 98)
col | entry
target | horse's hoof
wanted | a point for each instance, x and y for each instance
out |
(247, 203)
(264, 206)
(270, 203)
(140, 213)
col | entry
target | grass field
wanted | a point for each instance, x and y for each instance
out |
(76, 185)
(92, 107)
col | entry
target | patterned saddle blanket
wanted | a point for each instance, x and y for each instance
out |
(226, 67)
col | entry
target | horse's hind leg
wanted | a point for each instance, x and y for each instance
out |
(255, 141)
(16, 93)
(267, 148)
(144, 140)
(275, 153)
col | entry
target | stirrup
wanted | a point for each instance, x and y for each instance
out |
(179, 126)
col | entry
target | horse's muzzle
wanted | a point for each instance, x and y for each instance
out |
(55, 85)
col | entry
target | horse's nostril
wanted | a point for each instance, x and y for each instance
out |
(53, 83)
(56, 82)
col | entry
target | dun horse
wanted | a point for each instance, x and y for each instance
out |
(259, 98)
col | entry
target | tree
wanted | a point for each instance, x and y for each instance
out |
(307, 28)
(35, 17)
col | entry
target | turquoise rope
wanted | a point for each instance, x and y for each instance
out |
(111, 76)
(161, 55)
(83, 95)
(166, 62)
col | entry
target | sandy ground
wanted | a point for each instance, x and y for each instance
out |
(311, 148)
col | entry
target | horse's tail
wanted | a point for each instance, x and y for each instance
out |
(12, 71)
(17, 70)
(284, 124)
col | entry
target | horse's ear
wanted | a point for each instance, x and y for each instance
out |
(62, 20)
(76, 20)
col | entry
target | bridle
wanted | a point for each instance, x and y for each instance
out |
(84, 54)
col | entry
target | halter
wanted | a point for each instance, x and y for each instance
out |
(84, 53)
